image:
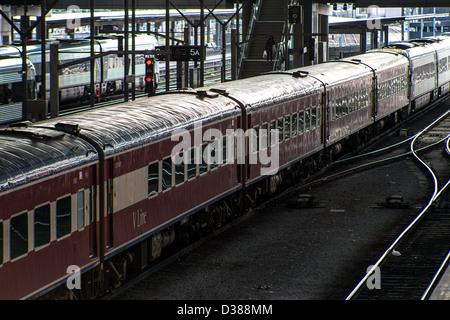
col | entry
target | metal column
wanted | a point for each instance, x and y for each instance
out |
(43, 50)
(92, 62)
(202, 43)
(167, 45)
(25, 32)
(54, 81)
(126, 49)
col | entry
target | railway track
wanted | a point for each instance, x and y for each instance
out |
(409, 264)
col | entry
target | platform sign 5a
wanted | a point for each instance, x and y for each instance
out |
(181, 53)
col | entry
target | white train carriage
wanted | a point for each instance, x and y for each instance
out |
(442, 46)
(11, 88)
(74, 81)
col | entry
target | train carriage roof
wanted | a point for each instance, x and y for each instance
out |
(270, 89)
(132, 124)
(335, 72)
(128, 125)
(380, 60)
(26, 156)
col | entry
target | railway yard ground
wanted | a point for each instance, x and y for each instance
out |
(282, 252)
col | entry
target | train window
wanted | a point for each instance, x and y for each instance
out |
(153, 179)
(63, 216)
(18, 235)
(307, 120)
(166, 173)
(348, 103)
(254, 139)
(228, 148)
(41, 225)
(360, 100)
(224, 150)
(263, 137)
(294, 124)
(1, 242)
(319, 117)
(203, 167)
(5, 93)
(280, 129)
(287, 127)
(333, 110)
(213, 154)
(367, 97)
(80, 210)
(313, 118)
(301, 122)
(192, 164)
(92, 211)
(344, 103)
(179, 170)
(272, 136)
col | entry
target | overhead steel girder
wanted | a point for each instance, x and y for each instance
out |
(114, 4)
(400, 3)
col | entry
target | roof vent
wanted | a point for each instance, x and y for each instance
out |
(20, 124)
(300, 74)
(204, 93)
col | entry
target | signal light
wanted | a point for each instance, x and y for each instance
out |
(294, 14)
(149, 76)
(70, 32)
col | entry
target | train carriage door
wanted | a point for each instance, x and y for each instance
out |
(109, 232)
(237, 151)
(323, 119)
(241, 144)
(93, 211)
(247, 148)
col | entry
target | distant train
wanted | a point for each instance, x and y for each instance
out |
(74, 82)
(105, 191)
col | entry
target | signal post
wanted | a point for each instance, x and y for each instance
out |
(150, 76)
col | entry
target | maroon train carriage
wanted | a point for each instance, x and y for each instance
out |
(45, 177)
(129, 148)
(100, 189)
(392, 86)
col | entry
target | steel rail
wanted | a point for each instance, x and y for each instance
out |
(419, 216)
(439, 273)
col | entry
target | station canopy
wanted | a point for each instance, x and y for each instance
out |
(222, 4)
(118, 4)
(402, 3)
